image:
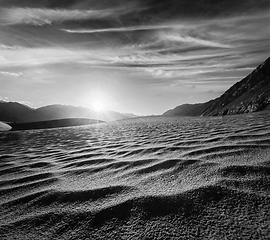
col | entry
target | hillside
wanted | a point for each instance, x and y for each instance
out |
(251, 94)
(63, 111)
(16, 112)
(189, 109)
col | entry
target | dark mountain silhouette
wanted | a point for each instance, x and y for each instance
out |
(16, 112)
(189, 109)
(251, 94)
(63, 111)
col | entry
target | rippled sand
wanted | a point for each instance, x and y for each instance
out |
(147, 178)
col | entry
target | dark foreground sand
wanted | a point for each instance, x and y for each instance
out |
(152, 178)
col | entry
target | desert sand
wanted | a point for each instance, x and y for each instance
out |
(144, 178)
(4, 126)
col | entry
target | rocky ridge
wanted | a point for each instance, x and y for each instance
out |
(251, 94)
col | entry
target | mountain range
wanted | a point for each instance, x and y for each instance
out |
(19, 113)
(251, 94)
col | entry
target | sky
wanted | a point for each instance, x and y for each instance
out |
(137, 56)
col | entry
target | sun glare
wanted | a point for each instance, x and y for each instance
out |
(96, 100)
(98, 106)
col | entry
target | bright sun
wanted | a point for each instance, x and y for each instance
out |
(96, 100)
(98, 106)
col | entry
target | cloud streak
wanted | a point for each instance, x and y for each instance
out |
(192, 40)
(42, 16)
(11, 74)
(122, 29)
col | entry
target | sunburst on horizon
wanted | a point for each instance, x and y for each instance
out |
(98, 105)
(96, 100)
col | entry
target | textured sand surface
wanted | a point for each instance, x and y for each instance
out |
(147, 178)
(4, 126)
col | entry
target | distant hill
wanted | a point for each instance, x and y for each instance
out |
(189, 109)
(130, 115)
(251, 94)
(63, 111)
(16, 112)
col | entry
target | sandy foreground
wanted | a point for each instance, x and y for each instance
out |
(145, 178)
(4, 126)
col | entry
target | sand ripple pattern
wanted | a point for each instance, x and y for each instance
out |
(145, 178)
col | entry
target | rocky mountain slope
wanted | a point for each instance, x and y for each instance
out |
(189, 109)
(251, 94)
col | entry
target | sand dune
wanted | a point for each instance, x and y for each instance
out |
(145, 178)
(4, 126)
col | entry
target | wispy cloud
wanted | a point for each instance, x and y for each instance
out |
(43, 16)
(122, 29)
(11, 74)
(6, 47)
(175, 37)
(155, 42)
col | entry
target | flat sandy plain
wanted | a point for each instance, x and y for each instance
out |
(144, 178)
